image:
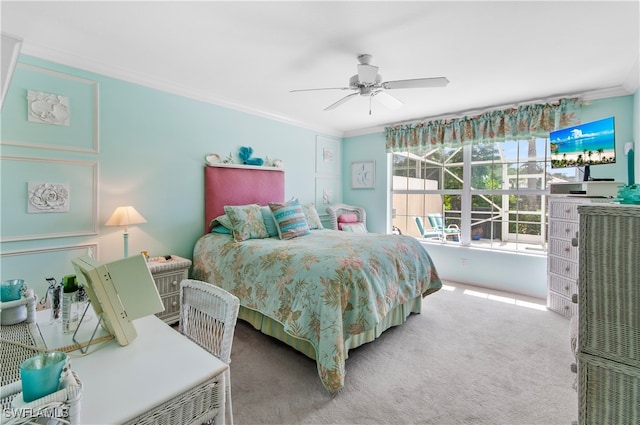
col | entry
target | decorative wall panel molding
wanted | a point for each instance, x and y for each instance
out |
(79, 178)
(51, 110)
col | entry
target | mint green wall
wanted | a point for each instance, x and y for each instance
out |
(152, 149)
(498, 270)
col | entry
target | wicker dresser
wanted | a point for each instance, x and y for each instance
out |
(609, 314)
(562, 263)
(168, 276)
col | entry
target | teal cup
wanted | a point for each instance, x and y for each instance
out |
(11, 290)
(40, 374)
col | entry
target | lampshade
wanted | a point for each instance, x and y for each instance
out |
(123, 216)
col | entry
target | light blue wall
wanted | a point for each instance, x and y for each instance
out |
(520, 273)
(152, 149)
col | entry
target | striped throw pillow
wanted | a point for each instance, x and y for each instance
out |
(290, 219)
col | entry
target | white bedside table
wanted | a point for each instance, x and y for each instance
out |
(168, 276)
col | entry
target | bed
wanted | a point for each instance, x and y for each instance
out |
(322, 293)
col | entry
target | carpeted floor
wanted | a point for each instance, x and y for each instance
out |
(470, 358)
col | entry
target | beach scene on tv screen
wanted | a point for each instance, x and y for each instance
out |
(589, 143)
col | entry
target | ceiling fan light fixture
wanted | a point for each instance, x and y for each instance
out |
(367, 74)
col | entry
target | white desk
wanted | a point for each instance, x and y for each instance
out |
(122, 383)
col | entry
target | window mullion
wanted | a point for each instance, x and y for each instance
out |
(465, 214)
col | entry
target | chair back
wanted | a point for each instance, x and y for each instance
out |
(208, 316)
(420, 225)
(435, 220)
(336, 210)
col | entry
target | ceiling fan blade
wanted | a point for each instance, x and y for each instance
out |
(325, 88)
(340, 102)
(387, 100)
(416, 83)
(367, 74)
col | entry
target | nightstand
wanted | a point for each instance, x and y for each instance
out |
(168, 276)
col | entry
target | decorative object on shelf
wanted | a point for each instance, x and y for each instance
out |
(629, 194)
(277, 163)
(245, 153)
(212, 158)
(125, 216)
(628, 150)
(229, 159)
(363, 175)
(48, 197)
(48, 108)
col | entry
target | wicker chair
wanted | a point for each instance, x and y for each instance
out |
(208, 316)
(337, 209)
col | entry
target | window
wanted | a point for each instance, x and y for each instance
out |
(494, 192)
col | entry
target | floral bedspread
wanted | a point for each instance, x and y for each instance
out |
(323, 287)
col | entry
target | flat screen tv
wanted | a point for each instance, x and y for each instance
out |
(583, 145)
(120, 292)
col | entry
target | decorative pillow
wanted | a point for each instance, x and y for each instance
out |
(221, 229)
(290, 220)
(222, 220)
(354, 227)
(311, 214)
(247, 222)
(348, 218)
(270, 225)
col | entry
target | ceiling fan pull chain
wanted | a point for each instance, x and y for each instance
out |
(370, 101)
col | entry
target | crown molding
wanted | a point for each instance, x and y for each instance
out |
(111, 71)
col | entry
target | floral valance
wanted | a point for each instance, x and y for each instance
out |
(523, 122)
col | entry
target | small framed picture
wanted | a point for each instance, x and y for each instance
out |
(363, 175)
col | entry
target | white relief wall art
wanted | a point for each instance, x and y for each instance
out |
(327, 156)
(48, 108)
(327, 192)
(48, 198)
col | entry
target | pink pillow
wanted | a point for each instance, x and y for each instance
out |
(347, 218)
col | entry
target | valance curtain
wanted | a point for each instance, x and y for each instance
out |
(523, 122)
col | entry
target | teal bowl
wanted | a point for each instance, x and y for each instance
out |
(11, 290)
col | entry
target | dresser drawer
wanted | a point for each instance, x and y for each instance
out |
(171, 307)
(562, 267)
(562, 285)
(563, 210)
(169, 282)
(563, 248)
(563, 229)
(561, 305)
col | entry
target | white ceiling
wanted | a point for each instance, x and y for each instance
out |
(249, 55)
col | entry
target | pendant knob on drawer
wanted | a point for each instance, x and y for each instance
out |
(574, 241)
(574, 298)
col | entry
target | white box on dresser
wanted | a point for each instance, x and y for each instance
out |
(563, 258)
(168, 275)
(609, 315)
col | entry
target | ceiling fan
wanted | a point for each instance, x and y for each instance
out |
(367, 82)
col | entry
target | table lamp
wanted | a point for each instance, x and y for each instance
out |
(124, 216)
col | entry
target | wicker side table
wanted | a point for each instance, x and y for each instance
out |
(168, 275)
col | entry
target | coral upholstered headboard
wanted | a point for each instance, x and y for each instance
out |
(239, 185)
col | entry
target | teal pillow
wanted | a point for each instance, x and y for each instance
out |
(270, 225)
(221, 229)
(247, 222)
(290, 220)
